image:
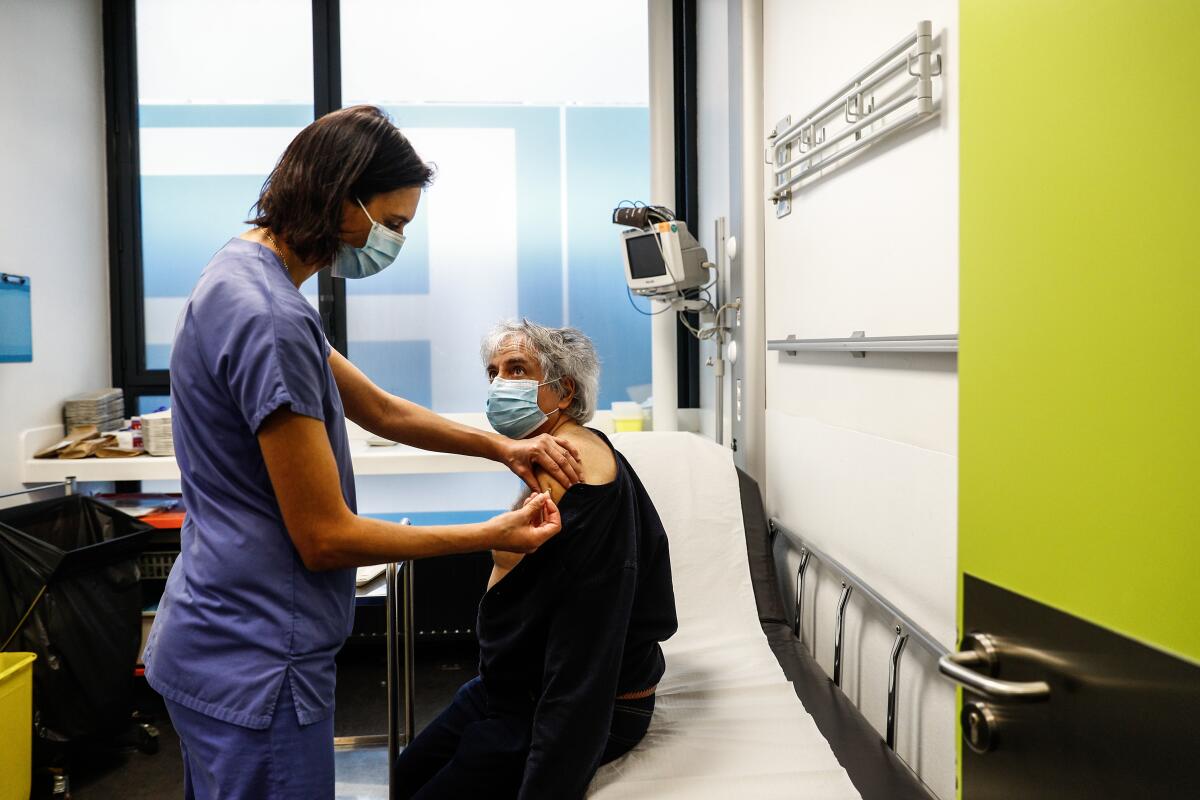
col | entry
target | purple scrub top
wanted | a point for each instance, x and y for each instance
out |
(241, 613)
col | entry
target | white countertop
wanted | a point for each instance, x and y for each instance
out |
(368, 460)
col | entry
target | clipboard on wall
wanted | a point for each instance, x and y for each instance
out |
(16, 319)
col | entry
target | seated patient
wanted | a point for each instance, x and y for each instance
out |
(569, 654)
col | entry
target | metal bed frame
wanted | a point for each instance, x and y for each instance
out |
(399, 633)
(969, 668)
(905, 627)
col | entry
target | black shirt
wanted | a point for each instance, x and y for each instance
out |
(576, 623)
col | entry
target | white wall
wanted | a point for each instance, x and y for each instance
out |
(861, 453)
(53, 219)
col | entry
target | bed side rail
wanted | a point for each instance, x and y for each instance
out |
(906, 629)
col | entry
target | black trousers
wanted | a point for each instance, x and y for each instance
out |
(467, 753)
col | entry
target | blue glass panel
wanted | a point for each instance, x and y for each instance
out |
(608, 160)
(539, 217)
(234, 115)
(158, 356)
(16, 319)
(401, 368)
(185, 220)
(149, 403)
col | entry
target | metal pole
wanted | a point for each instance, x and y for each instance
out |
(894, 685)
(839, 633)
(719, 401)
(69, 487)
(410, 727)
(719, 359)
(393, 736)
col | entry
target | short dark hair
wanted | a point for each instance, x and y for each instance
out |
(353, 153)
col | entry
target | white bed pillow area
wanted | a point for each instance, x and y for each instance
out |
(726, 722)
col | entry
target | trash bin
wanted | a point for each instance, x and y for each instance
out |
(16, 729)
(70, 593)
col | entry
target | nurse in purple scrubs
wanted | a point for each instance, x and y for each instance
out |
(261, 597)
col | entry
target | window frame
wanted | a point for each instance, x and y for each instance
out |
(126, 280)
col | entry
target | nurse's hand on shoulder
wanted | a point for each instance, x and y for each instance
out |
(556, 456)
(528, 527)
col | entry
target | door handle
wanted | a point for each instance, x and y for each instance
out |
(979, 652)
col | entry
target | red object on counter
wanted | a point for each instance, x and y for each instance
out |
(165, 520)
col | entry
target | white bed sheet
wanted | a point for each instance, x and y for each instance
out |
(727, 722)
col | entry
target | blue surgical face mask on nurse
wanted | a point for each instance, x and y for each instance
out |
(382, 246)
(512, 407)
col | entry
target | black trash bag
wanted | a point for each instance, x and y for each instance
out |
(74, 561)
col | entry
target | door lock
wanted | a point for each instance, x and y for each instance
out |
(978, 726)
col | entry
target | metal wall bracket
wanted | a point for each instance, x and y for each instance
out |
(782, 200)
(839, 632)
(798, 627)
(893, 693)
(905, 628)
(858, 353)
(801, 150)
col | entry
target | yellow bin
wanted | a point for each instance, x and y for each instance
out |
(16, 724)
(626, 416)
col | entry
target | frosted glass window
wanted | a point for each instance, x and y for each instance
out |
(537, 134)
(218, 101)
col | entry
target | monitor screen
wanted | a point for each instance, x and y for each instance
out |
(645, 259)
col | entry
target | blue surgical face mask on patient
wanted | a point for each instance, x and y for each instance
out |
(512, 407)
(382, 247)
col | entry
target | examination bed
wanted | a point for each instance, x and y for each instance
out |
(743, 709)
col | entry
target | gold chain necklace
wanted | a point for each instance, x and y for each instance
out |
(277, 249)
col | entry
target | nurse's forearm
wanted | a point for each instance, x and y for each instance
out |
(403, 421)
(354, 541)
(327, 535)
(417, 426)
(364, 541)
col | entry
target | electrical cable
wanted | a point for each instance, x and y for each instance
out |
(683, 321)
(629, 294)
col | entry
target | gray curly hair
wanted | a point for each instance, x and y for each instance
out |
(562, 353)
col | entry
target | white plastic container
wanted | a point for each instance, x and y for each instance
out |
(627, 416)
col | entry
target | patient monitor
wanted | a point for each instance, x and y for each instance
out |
(661, 256)
(664, 262)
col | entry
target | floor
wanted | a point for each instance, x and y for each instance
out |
(441, 667)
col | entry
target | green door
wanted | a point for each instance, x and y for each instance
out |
(1079, 377)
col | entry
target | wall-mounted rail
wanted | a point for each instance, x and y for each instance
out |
(905, 628)
(800, 149)
(860, 344)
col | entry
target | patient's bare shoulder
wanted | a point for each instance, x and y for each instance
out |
(599, 463)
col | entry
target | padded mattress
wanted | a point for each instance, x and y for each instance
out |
(727, 723)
